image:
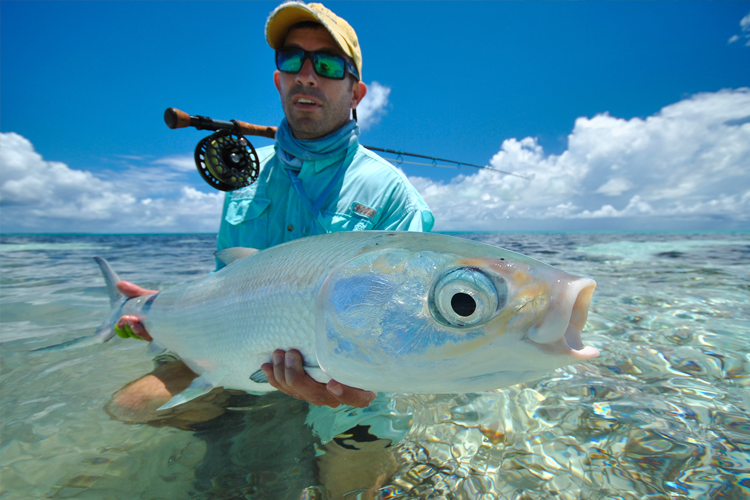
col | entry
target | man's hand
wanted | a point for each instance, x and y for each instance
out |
(287, 375)
(131, 326)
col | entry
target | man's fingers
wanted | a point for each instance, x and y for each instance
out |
(279, 372)
(128, 325)
(293, 371)
(268, 372)
(131, 326)
(287, 374)
(140, 331)
(131, 290)
(304, 386)
(350, 396)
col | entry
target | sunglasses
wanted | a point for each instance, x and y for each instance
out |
(290, 60)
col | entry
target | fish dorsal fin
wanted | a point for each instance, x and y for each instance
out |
(230, 255)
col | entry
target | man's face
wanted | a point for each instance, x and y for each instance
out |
(314, 105)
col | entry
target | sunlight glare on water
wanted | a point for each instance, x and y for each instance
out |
(661, 414)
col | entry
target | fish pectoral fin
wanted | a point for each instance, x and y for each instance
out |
(197, 388)
(314, 371)
(259, 377)
(231, 255)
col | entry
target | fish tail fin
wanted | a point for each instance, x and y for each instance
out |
(111, 278)
(107, 329)
(103, 334)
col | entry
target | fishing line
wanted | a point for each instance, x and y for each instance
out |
(226, 160)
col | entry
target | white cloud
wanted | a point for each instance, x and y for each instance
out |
(745, 27)
(181, 163)
(615, 186)
(47, 196)
(689, 162)
(373, 106)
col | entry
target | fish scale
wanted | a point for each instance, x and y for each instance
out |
(282, 298)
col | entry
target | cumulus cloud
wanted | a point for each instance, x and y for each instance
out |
(373, 106)
(745, 27)
(181, 163)
(689, 162)
(615, 186)
(48, 196)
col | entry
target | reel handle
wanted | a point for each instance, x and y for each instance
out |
(174, 118)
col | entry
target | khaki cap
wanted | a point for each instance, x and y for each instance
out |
(288, 14)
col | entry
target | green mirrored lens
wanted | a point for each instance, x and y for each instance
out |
(326, 65)
(329, 66)
(289, 61)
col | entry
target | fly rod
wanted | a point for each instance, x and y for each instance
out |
(227, 160)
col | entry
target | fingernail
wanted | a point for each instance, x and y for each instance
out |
(276, 359)
(289, 361)
(336, 390)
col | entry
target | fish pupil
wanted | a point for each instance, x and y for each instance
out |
(463, 304)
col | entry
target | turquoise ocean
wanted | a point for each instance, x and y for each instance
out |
(663, 413)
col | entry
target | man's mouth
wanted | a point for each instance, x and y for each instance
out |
(305, 102)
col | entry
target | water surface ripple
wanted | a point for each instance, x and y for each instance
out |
(661, 414)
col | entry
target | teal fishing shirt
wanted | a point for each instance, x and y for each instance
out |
(369, 193)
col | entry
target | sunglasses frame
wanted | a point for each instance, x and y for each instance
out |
(350, 68)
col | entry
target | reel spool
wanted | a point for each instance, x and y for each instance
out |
(227, 161)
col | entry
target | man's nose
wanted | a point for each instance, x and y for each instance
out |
(306, 74)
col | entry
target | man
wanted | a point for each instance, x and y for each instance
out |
(316, 179)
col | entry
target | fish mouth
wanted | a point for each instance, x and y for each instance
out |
(568, 311)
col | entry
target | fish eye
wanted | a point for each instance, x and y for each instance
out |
(466, 297)
(463, 304)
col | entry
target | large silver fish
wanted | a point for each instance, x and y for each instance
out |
(383, 311)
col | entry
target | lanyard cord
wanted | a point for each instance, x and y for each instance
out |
(314, 208)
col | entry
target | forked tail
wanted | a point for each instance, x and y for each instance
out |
(107, 329)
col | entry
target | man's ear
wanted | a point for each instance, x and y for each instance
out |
(277, 80)
(359, 91)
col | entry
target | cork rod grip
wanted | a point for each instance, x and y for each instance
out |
(174, 118)
(260, 130)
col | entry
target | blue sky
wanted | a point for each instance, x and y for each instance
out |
(623, 115)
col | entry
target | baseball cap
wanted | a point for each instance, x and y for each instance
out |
(288, 14)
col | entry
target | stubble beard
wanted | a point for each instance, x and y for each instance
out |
(306, 126)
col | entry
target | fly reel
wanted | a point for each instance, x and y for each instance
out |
(227, 161)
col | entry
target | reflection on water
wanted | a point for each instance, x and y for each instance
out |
(662, 413)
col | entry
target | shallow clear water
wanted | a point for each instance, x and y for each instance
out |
(662, 413)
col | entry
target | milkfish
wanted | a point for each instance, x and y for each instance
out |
(396, 312)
